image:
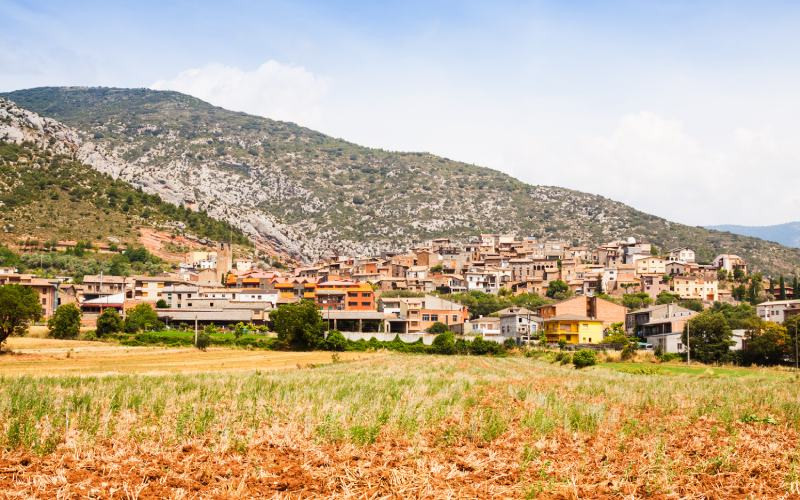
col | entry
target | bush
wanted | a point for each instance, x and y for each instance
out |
(203, 340)
(240, 329)
(335, 341)
(509, 343)
(444, 343)
(162, 304)
(141, 317)
(628, 351)
(299, 326)
(563, 357)
(437, 328)
(109, 322)
(584, 358)
(65, 323)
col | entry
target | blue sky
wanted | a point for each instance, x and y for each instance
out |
(687, 110)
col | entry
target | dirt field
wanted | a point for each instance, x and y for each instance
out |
(404, 426)
(38, 356)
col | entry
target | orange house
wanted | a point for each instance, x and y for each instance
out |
(345, 296)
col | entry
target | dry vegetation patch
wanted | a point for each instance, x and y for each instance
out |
(402, 425)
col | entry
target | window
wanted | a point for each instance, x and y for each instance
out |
(211, 304)
(365, 304)
(520, 320)
(455, 318)
(352, 304)
(365, 295)
(426, 317)
(434, 317)
(189, 304)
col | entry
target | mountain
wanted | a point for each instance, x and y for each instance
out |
(310, 194)
(47, 194)
(786, 234)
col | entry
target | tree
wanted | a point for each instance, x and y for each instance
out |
(437, 268)
(692, 304)
(584, 358)
(616, 336)
(782, 286)
(437, 328)
(65, 323)
(335, 341)
(240, 329)
(203, 339)
(710, 337)
(161, 304)
(299, 326)
(141, 317)
(19, 305)
(557, 288)
(666, 297)
(636, 300)
(444, 343)
(767, 344)
(794, 287)
(109, 322)
(738, 274)
(8, 258)
(742, 316)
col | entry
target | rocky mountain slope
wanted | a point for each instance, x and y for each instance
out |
(47, 194)
(311, 194)
(786, 234)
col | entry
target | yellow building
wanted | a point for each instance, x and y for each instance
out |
(573, 329)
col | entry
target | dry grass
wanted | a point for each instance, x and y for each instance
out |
(403, 426)
(37, 356)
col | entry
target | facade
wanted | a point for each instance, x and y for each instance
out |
(592, 307)
(660, 319)
(730, 263)
(683, 255)
(695, 287)
(46, 289)
(417, 314)
(775, 310)
(650, 265)
(573, 329)
(519, 323)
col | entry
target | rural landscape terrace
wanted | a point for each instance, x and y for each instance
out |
(238, 261)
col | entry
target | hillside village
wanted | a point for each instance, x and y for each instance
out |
(546, 291)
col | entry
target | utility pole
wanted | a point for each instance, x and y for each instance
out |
(688, 348)
(195, 330)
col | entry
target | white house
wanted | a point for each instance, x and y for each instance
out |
(519, 323)
(682, 255)
(774, 310)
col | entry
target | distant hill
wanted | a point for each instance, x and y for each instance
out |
(309, 194)
(786, 234)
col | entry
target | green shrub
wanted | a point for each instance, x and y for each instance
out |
(109, 322)
(584, 358)
(444, 343)
(335, 341)
(65, 323)
(437, 328)
(203, 340)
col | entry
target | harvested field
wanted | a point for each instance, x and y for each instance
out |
(404, 426)
(35, 356)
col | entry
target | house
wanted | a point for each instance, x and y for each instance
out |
(519, 323)
(417, 314)
(486, 326)
(573, 329)
(95, 286)
(660, 319)
(150, 288)
(46, 289)
(683, 255)
(673, 342)
(591, 307)
(730, 263)
(695, 287)
(775, 310)
(650, 265)
(653, 285)
(340, 295)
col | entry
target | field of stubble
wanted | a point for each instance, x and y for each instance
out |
(404, 426)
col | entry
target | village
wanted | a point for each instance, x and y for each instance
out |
(580, 292)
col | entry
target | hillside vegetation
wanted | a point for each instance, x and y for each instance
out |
(310, 194)
(49, 197)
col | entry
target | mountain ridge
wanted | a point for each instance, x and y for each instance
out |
(310, 194)
(787, 234)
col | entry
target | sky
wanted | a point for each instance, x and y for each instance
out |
(684, 109)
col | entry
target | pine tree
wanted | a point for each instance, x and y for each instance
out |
(782, 285)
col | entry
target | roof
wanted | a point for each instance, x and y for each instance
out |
(780, 302)
(116, 299)
(515, 311)
(105, 279)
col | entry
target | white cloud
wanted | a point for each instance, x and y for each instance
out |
(273, 89)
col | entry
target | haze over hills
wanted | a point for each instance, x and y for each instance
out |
(786, 234)
(309, 194)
